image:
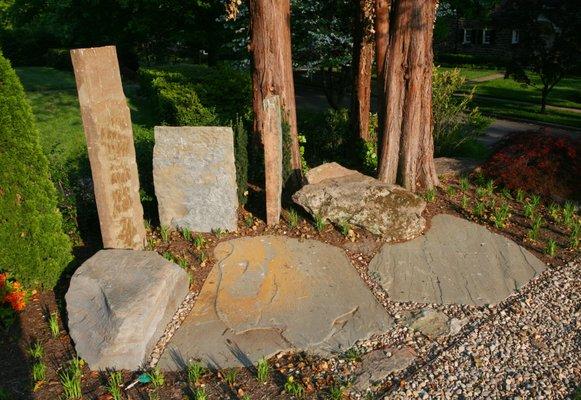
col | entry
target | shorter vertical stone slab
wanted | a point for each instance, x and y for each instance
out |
(107, 125)
(195, 177)
(272, 141)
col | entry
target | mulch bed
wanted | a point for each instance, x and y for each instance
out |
(316, 374)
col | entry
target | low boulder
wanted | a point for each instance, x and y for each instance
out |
(349, 196)
(119, 303)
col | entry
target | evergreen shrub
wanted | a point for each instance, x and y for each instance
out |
(34, 248)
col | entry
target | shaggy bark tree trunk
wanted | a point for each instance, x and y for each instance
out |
(407, 148)
(272, 74)
(362, 61)
(381, 52)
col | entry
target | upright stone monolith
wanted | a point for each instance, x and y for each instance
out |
(195, 177)
(107, 125)
(272, 141)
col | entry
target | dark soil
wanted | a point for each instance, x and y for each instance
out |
(313, 372)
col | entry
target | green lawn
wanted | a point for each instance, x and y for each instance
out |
(507, 109)
(472, 73)
(567, 93)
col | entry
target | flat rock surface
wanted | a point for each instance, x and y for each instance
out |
(456, 261)
(119, 303)
(378, 364)
(362, 201)
(454, 166)
(268, 294)
(328, 171)
(195, 177)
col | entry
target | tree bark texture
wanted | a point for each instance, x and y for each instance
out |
(272, 74)
(381, 52)
(407, 147)
(362, 61)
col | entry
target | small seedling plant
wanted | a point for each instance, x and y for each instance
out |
(230, 376)
(187, 234)
(501, 215)
(36, 351)
(551, 248)
(293, 218)
(195, 370)
(319, 223)
(53, 324)
(464, 184)
(164, 233)
(294, 388)
(262, 370)
(430, 195)
(200, 394)
(70, 378)
(114, 382)
(199, 241)
(536, 227)
(344, 228)
(156, 377)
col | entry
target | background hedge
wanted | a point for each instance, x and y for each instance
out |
(199, 95)
(33, 246)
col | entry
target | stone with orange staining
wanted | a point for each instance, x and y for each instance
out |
(268, 294)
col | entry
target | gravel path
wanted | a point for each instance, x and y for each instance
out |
(527, 347)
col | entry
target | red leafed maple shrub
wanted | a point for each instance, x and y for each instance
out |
(538, 162)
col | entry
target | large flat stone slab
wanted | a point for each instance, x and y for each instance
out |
(268, 294)
(341, 195)
(119, 303)
(195, 177)
(457, 261)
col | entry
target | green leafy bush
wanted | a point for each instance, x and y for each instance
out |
(456, 125)
(34, 247)
(198, 95)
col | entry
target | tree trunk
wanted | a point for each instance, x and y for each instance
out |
(381, 52)
(272, 74)
(362, 63)
(544, 93)
(407, 147)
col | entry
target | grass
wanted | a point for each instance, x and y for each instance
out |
(518, 110)
(472, 73)
(567, 93)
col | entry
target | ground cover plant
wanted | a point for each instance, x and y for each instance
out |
(540, 162)
(35, 250)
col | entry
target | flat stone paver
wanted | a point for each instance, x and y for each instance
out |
(456, 261)
(268, 294)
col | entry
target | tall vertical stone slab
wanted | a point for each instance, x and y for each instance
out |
(195, 177)
(272, 141)
(107, 125)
